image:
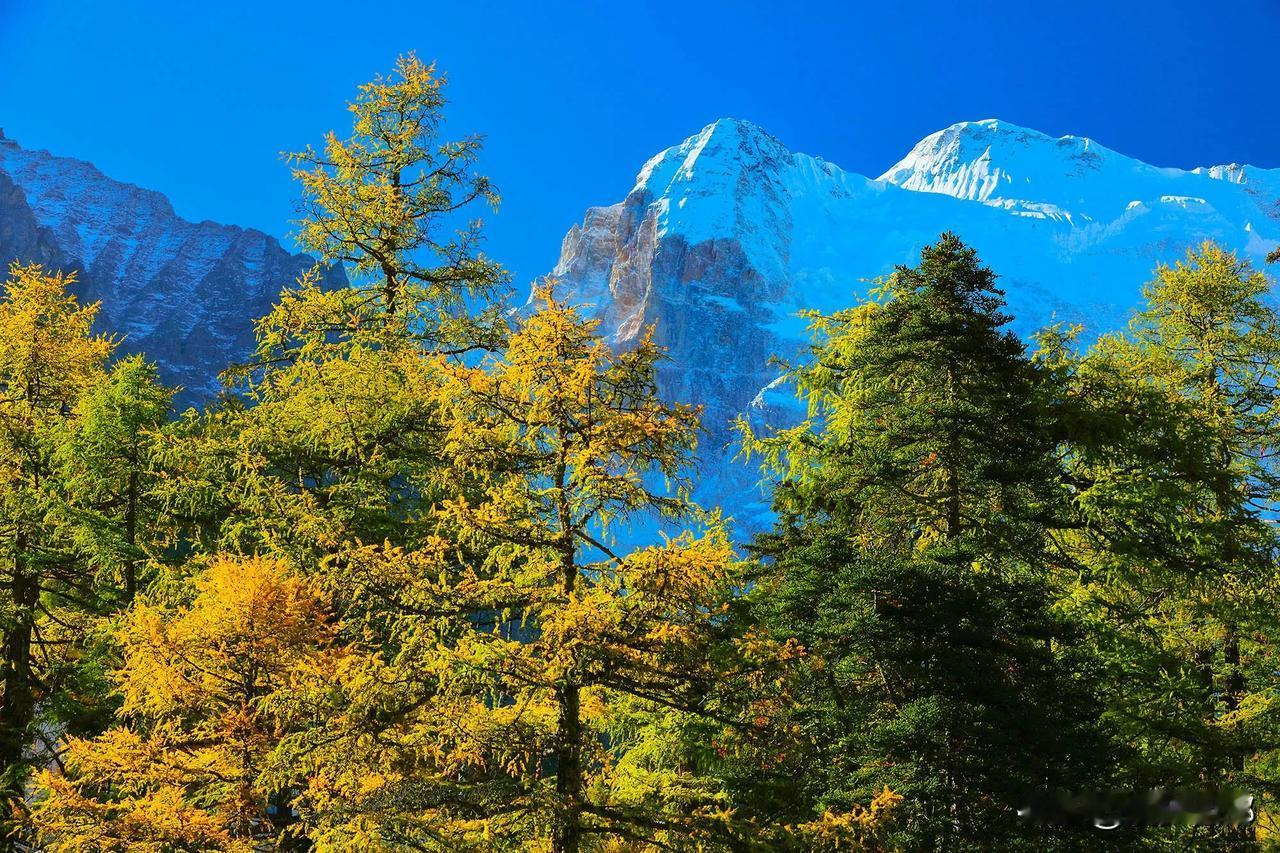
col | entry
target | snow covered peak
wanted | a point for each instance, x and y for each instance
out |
(1024, 170)
(1069, 178)
(727, 238)
(734, 180)
(720, 151)
(1006, 146)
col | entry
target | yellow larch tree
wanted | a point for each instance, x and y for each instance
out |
(197, 683)
(48, 356)
(386, 202)
(540, 689)
(332, 437)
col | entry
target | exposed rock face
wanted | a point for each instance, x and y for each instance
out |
(725, 237)
(184, 293)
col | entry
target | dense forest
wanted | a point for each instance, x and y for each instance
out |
(386, 593)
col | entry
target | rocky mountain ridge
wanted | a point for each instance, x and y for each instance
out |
(185, 293)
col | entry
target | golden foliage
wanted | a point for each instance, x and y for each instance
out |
(48, 353)
(49, 356)
(197, 682)
(527, 682)
(380, 200)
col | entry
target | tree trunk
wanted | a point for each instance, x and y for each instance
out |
(568, 834)
(1233, 681)
(1234, 689)
(569, 772)
(18, 703)
(131, 537)
(952, 468)
(1204, 667)
(953, 504)
(391, 282)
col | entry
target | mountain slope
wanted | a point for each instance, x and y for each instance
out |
(184, 293)
(726, 236)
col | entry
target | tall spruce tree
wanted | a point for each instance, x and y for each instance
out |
(113, 537)
(105, 475)
(913, 562)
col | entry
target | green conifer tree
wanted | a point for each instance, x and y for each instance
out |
(913, 562)
(106, 473)
(1172, 430)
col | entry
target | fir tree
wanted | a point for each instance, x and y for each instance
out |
(913, 562)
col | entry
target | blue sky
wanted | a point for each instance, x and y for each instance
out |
(197, 100)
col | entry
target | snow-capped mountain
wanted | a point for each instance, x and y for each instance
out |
(726, 236)
(722, 240)
(185, 293)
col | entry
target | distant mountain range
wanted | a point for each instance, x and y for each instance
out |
(185, 293)
(723, 238)
(726, 236)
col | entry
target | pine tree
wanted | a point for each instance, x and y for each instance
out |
(913, 563)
